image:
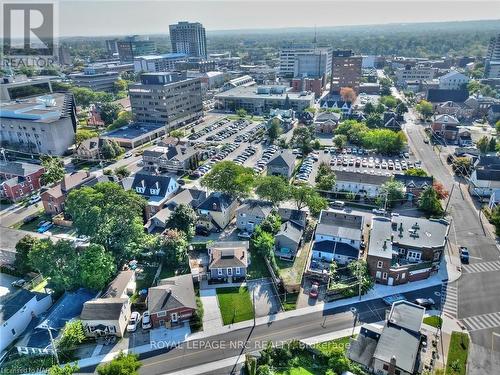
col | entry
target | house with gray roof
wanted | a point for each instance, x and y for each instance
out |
(172, 301)
(217, 211)
(485, 177)
(414, 185)
(17, 311)
(393, 348)
(171, 158)
(299, 217)
(251, 213)
(228, 260)
(288, 240)
(404, 249)
(282, 164)
(330, 251)
(362, 184)
(109, 314)
(340, 226)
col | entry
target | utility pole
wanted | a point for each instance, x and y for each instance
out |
(359, 280)
(449, 199)
(253, 299)
(53, 344)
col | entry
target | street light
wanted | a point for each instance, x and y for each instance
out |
(354, 312)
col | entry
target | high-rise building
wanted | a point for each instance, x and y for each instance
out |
(167, 98)
(492, 61)
(158, 63)
(312, 65)
(346, 70)
(133, 46)
(189, 38)
(290, 52)
(111, 46)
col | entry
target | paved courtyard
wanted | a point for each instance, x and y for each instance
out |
(266, 300)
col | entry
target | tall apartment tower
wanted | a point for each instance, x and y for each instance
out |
(290, 52)
(492, 61)
(189, 38)
(346, 70)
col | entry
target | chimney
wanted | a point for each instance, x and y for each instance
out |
(392, 366)
(214, 206)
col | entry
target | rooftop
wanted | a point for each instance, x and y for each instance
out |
(13, 302)
(19, 168)
(251, 92)
(172, 55)
(133, 131)
(340, 224)
(172, 293)
(46, 108)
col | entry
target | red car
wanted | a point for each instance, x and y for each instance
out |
(313, 293)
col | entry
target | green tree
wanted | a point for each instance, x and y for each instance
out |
(124, 119)
(28, 71)
(391, 192)
(384, 140)
(109, 112)
(73, 335)
(482, 144)
(184, 219)
(241, 112)
(271, 224)
(120, 85)
(122, 364)
(109, 215)
(262, 242)
(353, 129)
(310, 110)
(23, 248)
(429, 202)
(492, 145)
(302, 139)
(230, 178)
(121, 172)
(96, 267)
(425, 109)
(389, 101)
(305, 195)
(178, 134)
(369, 108)
(340, 141)
(272, 188)
(419, 172)
(359, 269)
(497, 127)
(68, 369)
(110, 149)
(274, 129)
(54, 170)
(495, 219)
(401, 108)
(462, 166)
(374, 121)
(82, 135)
(325, 178)
(174, 245)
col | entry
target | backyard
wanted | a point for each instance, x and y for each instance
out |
(457, 354)
(291, 272)
(257, 268)
(235, 304)
(32, 226)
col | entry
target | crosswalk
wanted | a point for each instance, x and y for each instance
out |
(484, 321)
(449, 300)
(482, 267)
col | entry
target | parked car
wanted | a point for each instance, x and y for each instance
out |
(313, 293)
(35, 199)
(45, 227)
(146, 320)
(379, 211)
(127, 154)
(202, 231)
(389, 300)
(18, 283)
(135, 317)
(245, 235)
(464, 254)
(425, 302)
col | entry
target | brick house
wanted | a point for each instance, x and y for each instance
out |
(404, 249)
(19, 180)
(414, 185)
(54, 198)
(446, 127)
(172, 301)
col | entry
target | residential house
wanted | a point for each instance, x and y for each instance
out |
(480, 105)
(109, 314)
(494, 113)
(394, 348)
(88, 149)
(155, 188)
(458, 110)
(333, 251)
(306, 117)
(414, 185)
(446, 127)
(172, 301)
(19, 180)
(494, 199)
(404, 249)
(288, 240)
(465, 138)
(286, 118)
(485, 177)
(362, 184)
(53, 199)
(392, 121)
(281, 164)
(191, 197)
(290, 214)
(326, 122)
(228, 260)
(37, 340)
(17, 311)
(252, 213)
(173, 159)
(217, 211)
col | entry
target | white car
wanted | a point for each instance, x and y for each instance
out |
(146, 320)
(135, 317)
(35, 199)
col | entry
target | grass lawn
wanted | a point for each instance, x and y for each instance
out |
(235, 304)
(434, 321)
(290, 303)
(328, 347)
(258, 268)
(291, 272)
(145, 279)
(33, 226)
(457, 354)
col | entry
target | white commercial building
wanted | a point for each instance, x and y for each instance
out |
(289, 53)
(158, 63)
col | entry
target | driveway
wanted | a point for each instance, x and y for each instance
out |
(266, 300)
(212, 319)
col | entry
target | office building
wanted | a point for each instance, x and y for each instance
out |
(189, 38)
(133, 46)
(167, 98)
(346, 70)
(20, 86)
(261, 99)
(492, 61)
(96, 78)
(312, 65)
(413, 73)
(158, 63)
(111, 47)
(39, 125)
(290, 52)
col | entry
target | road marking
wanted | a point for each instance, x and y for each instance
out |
(449, 300)
(484, 321)
(482, 267)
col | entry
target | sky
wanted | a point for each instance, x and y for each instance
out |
(126, 17)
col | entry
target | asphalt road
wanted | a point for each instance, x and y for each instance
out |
(238, 342)
(478, 292)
